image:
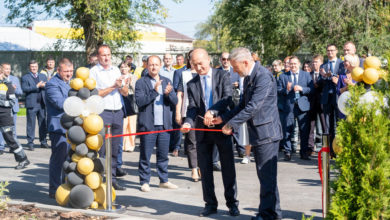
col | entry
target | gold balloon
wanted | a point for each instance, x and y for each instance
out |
(94, 141)
(372, 62)
(76, 83)
(76, 158)
(100, 195)
(73, 146)
(94, 205)
(357, 74)
(382, 74)
(82, 73)
(62, 194)
(90, 83)
(85, 166)
(370, 76)
(93, 180)
(336, 146)
(93, 124)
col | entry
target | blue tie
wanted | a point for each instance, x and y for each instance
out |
(295, 78)
(208, 95)
(331, 66)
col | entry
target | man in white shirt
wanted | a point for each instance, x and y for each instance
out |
(109, 84)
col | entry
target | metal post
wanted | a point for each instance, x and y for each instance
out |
(108, 169)
(325, 175)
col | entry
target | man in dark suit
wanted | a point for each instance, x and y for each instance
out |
(328, 81)
(56, 92)
(156, 99)
(209, 95)
(258, 108)
(33, 84)
(295, 87)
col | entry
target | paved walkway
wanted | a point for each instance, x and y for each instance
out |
(299, 186)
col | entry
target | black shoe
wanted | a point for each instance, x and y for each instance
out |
(120, 172)
(30, 147)
(216, 167)
(233, 211)
(23, 164)
(45, 145)
(208, 211)
(118, 187)
(1, 152)
(287, 157)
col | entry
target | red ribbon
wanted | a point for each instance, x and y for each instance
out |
(324, 149)
(161, 131)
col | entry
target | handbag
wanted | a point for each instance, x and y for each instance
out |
(131, 106)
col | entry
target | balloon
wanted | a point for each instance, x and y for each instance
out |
(370, 76)
(62, 194)
(90, 83)
(342, 102)
(94, 141)
(76, 83)
(93, 124)
(84, 93)
(94, 92)
(85, 166)
(72, 92)
(95, 104)
(82, 73)
(76, 134)
(382, 74)
(100, 194)
(357, 74)
(372, 62)
(94, 205)
(81, 149)
(75, 157)
(66, 121)
(73, 106)
(75, 178)
(93, 180)
(81, 196)
(368, 97)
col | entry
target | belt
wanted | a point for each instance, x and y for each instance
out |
(113, 111)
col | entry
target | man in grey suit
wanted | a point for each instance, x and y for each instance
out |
(295, 88)
(18, 92)
(258, 107)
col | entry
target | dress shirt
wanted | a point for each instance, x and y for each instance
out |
(209, 78)
(158, 109)
(105, 78)
(35, 75)
(167, 73)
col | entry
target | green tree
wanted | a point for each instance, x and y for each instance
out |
(109, 21)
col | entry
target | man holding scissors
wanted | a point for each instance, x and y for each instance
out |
(209, 95)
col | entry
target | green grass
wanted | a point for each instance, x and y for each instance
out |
(22, 112)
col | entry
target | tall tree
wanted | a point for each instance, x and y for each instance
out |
(109, 21)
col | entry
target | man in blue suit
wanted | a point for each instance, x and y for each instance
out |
(18, 92)
(295, 88)
(56, 92)
(258, 108)
(33, 84)
(328, 81)
(156, 100)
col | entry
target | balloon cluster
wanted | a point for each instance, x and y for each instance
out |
(369, 75)
(84, 185)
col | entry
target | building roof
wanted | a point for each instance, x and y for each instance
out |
(172, 35)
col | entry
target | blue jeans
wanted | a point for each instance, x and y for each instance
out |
(148, 141)
(59, 153)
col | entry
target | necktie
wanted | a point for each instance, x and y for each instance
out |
(295, 78)
(331, 66)
(208, 97)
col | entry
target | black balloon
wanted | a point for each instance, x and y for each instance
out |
(94, 92)
(81, 149)
(92, 154)
(72, 166)
(81, 196)
(65, 166)
(76, 135)
(75, 178)
(72, 92)
(99, 165)
(78, 121)
(66, 121)
(84, 93)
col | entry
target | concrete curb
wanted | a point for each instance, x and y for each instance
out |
(84, 211)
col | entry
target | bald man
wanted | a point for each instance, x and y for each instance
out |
(209, 95)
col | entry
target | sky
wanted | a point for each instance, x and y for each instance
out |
(182, 17)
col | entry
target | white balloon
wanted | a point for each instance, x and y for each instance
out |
(73, 106)
(342, 102)
(368, 97)
(94, 104)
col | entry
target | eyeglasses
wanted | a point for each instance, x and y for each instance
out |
(330, 50)
(225, 59)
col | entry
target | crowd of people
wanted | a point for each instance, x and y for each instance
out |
(264, 110)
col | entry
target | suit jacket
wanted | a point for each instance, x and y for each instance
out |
(288, 97)
(234, 77)
(145, 94)
(178, 77)
(30, 88)
(327, 83)
(56, 93)
(315, 97)
(258, 107)
(222, 98)
(18, 92)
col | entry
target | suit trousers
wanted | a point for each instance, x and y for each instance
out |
(266, 157)
(304, 129)
(148, 141)
(190, 149)
(40, 114)
(2, 142)
(115, 119)
(330, 115)
(205, 162)
(175, 136)
(317, 124)
(59, 154)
